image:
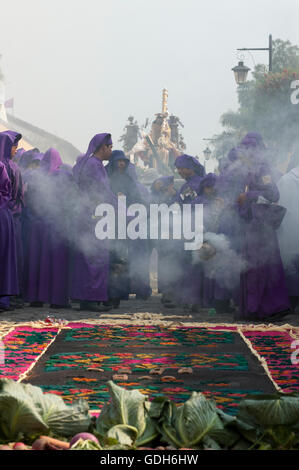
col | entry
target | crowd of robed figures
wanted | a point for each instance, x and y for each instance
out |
(49, 253)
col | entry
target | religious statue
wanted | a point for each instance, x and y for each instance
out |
(174, 123)
(130, 138)
(159, 148)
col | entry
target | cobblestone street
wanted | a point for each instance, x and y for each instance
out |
(149, 310)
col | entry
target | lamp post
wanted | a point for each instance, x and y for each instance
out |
(241, 70)
(207, 153)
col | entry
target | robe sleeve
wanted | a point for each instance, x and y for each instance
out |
(264, 187)
(5, 188)
(97, 184)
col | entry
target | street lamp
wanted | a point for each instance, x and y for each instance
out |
(241, 70)
(207, 153)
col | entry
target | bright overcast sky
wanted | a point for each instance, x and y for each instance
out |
(76, 68)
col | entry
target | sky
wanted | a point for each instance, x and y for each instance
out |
(76, 68)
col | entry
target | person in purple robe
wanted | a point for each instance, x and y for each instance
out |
(228, 186)
(212, 203)
(193, 172)
(164, 192)
(212, 208)
(51, 161)
(251, 224)
(26, 159)
(9, 284)
(8, 146)
(47, 254)
(67, 169)
(287, 233)
(123, 181)
(189, 285)
(123, 178)
(18, 155)
(90, 266)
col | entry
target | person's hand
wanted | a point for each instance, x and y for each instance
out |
(241, 199)
(158, 186)
(171, 191)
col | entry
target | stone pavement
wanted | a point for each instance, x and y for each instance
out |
(150, 309)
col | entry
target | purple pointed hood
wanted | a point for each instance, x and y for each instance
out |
(253, 140)
(165, 180)
(112, 165)
(208, 181)
(51, 161)
(97, 141)
(28, 157)
(116, 155)
(233, 154)
(7, 140)
(186, 161)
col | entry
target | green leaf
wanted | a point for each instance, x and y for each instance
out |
(25, 408)
(82, 444)
(283, 437)
(129, 408)
(123, 434)
(156, 406)
(108, 441)
(209, 443)
(17, 412)
(236, 429)
(266, 411)
(265, 446)
(241, 444)
(189, 424)
(62, 419)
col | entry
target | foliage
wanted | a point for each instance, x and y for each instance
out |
(25, 410)
(265, 104)
(129, 421)
(263, 422)
(127, 418)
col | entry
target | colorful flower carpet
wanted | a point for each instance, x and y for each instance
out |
(225, 363)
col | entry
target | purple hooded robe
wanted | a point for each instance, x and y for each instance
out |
(211, 215)
(47, 254)
(8, 139)
(8, 257)
(287, 233)
(189, 284)
(138, 250)
(191, 188)
(168, 263)
(252, 231)
(90, 267)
